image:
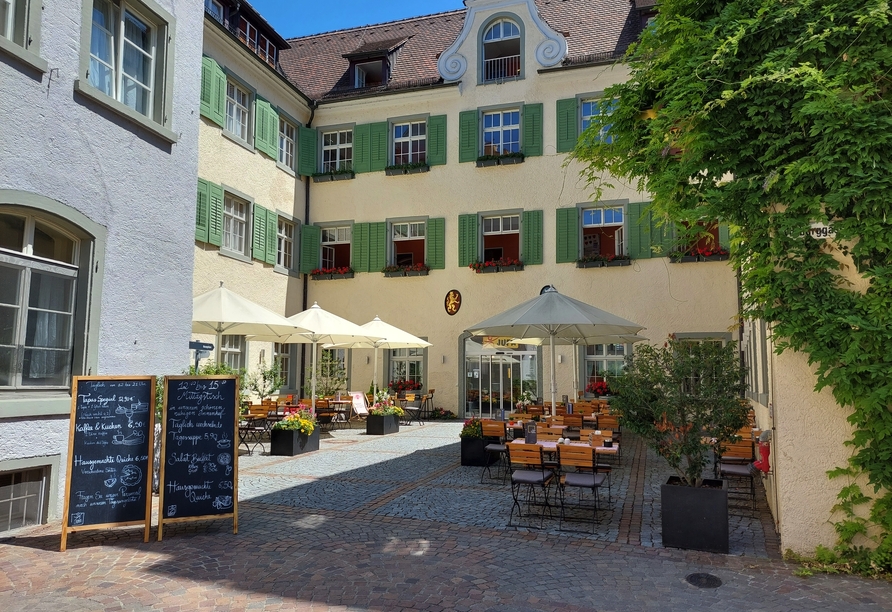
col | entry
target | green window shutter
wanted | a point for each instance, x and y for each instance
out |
(468, 149)
(360, 245)
(531, 233)
(436, 244)
(567, 125)
(362, 148)
(661, 236)
(567, 238)
(378, 133)
(436, 140)
(306, 154)
(310, 242)
(215, 214)
(377, 246)
(532, 130)
(468, 240)
(258, 233)
(213, 91)
(266, 128)
(202, 204)
(724, 235)
(638, 223)
(272, 236)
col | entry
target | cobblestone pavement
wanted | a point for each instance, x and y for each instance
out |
(394, 523)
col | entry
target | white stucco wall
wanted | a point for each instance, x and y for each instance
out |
(57, 144)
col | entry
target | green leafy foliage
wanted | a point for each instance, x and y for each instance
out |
(683, 399)
(774, 116)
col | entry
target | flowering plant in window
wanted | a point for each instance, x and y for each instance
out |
(525, 399)
(710, 251)
(301, 421)
(473, 428)
(598, 388)
(613, 257)
(400, 385)
(384, 406)
(418, 267)
(338, 270)
(508, 261)
(588, 258)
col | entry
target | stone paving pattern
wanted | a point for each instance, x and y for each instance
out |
(395, 523)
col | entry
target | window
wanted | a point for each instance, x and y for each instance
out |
(337, 151)
(369, 74)
(287, 137)
(407, 364)
(282, 356)
(602, 360)
(501, 237)
(501, 51)
(22, 497)
(501, 132)
(592, 108)
(38, 279)
(408, 243)
(602, 231)
(285, 244)
(232, 351)
(257, 42)
(410, 143)
(20, 30)
(214, 9)
(336, 247)
(238, 110)
(235, 224)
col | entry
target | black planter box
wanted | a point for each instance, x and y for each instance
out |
(344, 275)
(416, 272)
(473, 453)
(510, 161)
(382, 425)
(589, 264)
(394, 273)
(343, 176)
(394, 171)
(713, 258)
(695, 518)
(323, 178)
(511, 268)
(289, 443)
(486, 163)
(322, 277)
(418, 170)
(489, 269)
(683, 259)
(618, 262)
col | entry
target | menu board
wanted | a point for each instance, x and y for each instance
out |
(109, 453)
(199, 450)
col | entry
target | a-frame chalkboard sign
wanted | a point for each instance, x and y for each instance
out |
(199, 450)
(109, 474)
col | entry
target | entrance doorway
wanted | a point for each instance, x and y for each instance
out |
(496, 373)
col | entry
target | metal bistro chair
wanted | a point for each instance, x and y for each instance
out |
(412, 410)
(531, 475)
(496, 434)
(578, 466)
(427, 404)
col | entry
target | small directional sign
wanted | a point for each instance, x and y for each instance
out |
(200, 346)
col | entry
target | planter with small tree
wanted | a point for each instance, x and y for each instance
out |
(684, 399)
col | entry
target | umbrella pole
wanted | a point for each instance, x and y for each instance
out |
(376, 373)
(575, 372)
(219, 342)
(313, 398)
(553, 376)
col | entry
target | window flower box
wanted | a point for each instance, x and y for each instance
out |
(321, 276)
(401, 169)
(322, 178)
(343, 275)
(676, 258)
(511, 268)
(418, 169)
(343, 176)
(510, 160)
(497, 265)
(489, 270)
(394, 171)
(618, 262)
(486, 163)
(332, 273)
(419, 269)
(394, 273)
(590, 264)
(326, 177)
(717, 257)
(417, 272)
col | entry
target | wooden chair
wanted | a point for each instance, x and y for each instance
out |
(573, 421)
(496, 434)
(579, 470)
(734, 461)
(519, 416)
(534, 409)
(528, 472)
(549, 434)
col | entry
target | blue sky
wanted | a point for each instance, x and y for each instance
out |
(293, 18)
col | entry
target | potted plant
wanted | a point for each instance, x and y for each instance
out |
(597, 388)
(332, 273)
(473, 444)
(718, 253)
(508, 264)
(683, 399)
(617, 260)
(682, 256)
(393, 271)
(485, 161)
(295, 434)
(384, 416)
(417, 269)
(337, 174)
(509, 159)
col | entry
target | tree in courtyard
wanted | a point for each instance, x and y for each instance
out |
(776, 117)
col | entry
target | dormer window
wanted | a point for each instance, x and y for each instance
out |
(370, 74)
(501, 51)
(257, 42)
(214, 9)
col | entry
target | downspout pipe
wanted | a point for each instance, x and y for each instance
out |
(306, 277)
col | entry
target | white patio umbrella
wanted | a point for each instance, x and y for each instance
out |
(390, 338)
(553, 315)
(322, 327)
(221, 311)
(575, 342)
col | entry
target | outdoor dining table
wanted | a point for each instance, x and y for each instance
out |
(551, 447)
(343, 407)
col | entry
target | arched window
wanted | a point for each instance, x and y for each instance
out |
(39, 269)
(501, 51)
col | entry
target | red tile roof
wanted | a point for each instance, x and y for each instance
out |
(316, 63)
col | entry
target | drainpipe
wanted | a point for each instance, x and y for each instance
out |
(306, 279)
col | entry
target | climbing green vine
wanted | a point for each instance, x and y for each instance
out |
(776, 117)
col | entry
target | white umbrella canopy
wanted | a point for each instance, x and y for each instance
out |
(390, 338)
(553, 315)
(221, 311)
(322, 327)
